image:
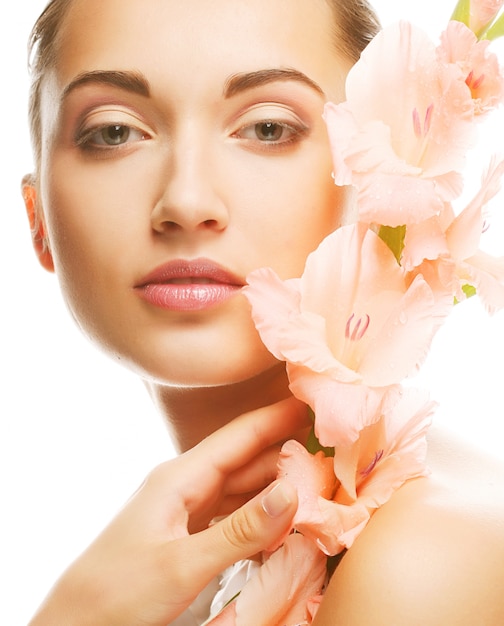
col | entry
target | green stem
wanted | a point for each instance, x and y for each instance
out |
(495, 29)
(462, 12)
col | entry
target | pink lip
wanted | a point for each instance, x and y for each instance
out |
(184, 285)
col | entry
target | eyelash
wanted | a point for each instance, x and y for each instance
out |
(87, 138)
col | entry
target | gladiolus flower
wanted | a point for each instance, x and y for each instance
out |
(452, 256)
(350, 329)
(365, 474)
(401, 136)
(479, 68)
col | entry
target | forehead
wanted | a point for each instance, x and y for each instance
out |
(200, 38)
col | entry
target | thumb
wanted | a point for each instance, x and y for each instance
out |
(258, 525)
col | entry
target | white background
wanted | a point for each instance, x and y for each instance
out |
(77, 434)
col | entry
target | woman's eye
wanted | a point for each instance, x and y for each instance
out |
(269, 131)
(110, 136)
(115, 135)
(272, 132)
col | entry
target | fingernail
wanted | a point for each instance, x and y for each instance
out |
(277, 501)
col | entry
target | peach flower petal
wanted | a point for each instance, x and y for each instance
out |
(282, 588)
(342, 410)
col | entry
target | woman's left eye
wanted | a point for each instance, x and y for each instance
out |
(271, 132)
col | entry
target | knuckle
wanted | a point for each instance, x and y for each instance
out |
(240, 529)
(159, 472)
(159, 477)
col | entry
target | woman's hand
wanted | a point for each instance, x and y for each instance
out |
(159, 552)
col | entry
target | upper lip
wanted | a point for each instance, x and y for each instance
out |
(192, 269)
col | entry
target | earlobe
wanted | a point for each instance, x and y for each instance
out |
(37, 227)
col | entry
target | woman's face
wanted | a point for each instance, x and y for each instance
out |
(183, 147)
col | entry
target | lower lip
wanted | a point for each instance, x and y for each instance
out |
(187, 297)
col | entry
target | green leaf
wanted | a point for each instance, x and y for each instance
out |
(495, 30)
(393, 236)
(462, 12)
(313, 444)
(469, 291)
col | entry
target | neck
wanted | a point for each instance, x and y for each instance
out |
(194, 413)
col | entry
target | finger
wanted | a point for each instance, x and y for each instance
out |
(258, 525)
(202, 472)
(254, 476)
(240, 487)
(228, 505)
(238, 442)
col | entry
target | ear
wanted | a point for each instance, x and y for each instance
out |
(36, 219)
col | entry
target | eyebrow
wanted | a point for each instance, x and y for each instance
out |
(136, 83)
(133, 82)
(242, 82)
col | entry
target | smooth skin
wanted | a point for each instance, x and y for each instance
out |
(131, 178)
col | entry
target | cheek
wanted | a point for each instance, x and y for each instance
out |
(291, 214)
(90, 221)
(92, 209)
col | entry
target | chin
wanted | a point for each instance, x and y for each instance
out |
(186, 368)
(195, 352)
(211, 374)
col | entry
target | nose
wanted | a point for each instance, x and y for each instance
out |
(191, 197)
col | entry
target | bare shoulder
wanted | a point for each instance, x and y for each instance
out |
(433, 555)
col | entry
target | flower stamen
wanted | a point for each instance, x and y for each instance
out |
(417, 126)
(369, 468)
(478, 82)
(428, 118)
(356, 331)
(474, 83)
(420, 131)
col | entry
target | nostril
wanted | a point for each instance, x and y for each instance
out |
(170, 226)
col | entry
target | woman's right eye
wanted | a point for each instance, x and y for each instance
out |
(109, 136)
(114, 135)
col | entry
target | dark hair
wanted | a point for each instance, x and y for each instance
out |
(355, 24)
(43, 45)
